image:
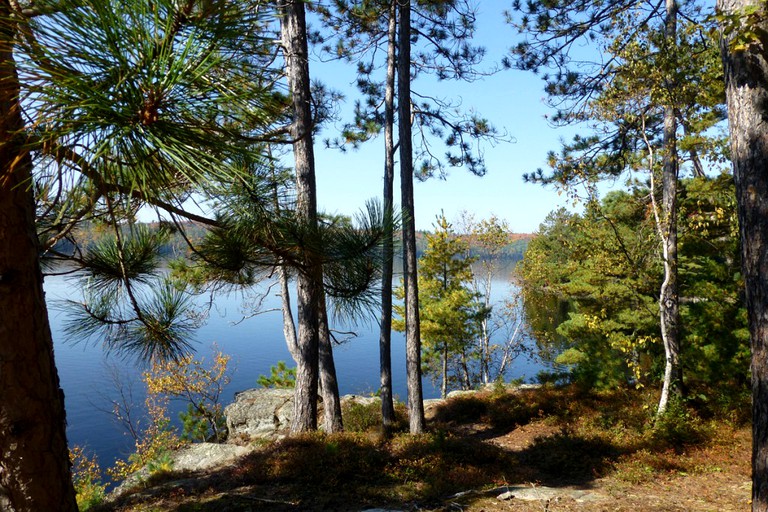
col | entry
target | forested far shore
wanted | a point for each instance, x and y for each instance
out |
(178, 245)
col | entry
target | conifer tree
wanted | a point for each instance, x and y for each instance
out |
(634, 34)
(129, 103)
(410, 281)
(441, 33)
(451, 311)
(309, 281)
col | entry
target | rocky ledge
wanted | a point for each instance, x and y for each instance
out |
(265, 413)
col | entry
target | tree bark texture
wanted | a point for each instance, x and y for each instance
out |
(412, 328)
(332, 421)
(668, 296)
(746, 76)
(309, 278)
(385, 333)
(289, 325)
(34, 458)
(465, 371)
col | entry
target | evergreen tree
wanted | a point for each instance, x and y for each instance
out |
(451, 311)
(309, 281)
(387, 271)
(129, 103)
(441, 34)
(410, 280)
(638, 91)
(601, 269)
(35, 470)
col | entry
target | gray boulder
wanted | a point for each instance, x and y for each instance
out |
(195, 457)
(460, 392)
(545, 494)
(203, 456)
(265, 413)
(260, 413)
(348, 400)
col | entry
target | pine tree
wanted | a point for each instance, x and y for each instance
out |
(440, 34)
(451, 311)
(655, 104)
(130, 103)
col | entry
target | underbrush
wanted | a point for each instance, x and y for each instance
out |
(574, 437)
(359, 466)
(366, 417)
(595, 433)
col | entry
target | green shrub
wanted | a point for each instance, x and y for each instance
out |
(361, 417)
(367, 417)
(197, 421)
(679, 426)
(154, 444)
(162, 463)
(554, 377)
(280, 377)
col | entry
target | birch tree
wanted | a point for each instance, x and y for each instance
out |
(623, 31)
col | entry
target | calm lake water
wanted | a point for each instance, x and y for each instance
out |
(255, 344)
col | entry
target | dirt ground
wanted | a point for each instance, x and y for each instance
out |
(714, 478)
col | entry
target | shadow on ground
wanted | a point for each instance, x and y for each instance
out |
(355, 471)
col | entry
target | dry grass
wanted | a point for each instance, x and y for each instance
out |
(561, 438)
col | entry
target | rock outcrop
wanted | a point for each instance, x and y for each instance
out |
(204, 456)
(265, 413)
(195, 457)
(262, 413)
(348, 400)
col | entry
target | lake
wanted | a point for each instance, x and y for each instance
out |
(255, 344)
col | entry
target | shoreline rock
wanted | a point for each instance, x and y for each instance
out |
(194, 457)
(259, 413)
(265, 413)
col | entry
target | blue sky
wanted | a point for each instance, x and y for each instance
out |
(512, 100)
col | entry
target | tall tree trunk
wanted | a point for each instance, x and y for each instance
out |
(485, 350)
(332, 421)
(385, 335)
(444, 371)
(412, 328)
(34, 458)
(668, 296)
(465, 370)
(289, 327)
(746, 76)
(309, 279)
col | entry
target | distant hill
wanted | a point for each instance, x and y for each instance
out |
(518, 243)
(89, 233)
